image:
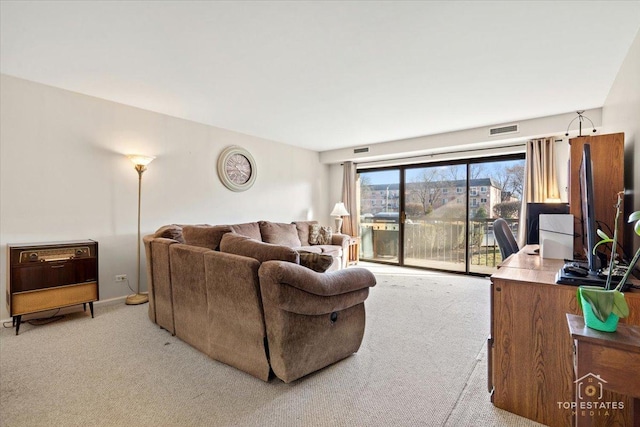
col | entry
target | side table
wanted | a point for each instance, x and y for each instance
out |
(604, 360)
(354, 250)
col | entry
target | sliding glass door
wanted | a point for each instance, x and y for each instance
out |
(380, 215)
(439, 215)
(495, 192)
(435, 206)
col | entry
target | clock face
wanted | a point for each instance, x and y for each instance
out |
(236, 168)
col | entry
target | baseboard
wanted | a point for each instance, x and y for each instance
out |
(71, 309)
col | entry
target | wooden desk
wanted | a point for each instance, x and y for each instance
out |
(530, 352)
(605, 360)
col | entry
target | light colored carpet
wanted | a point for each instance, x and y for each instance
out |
(422, 362)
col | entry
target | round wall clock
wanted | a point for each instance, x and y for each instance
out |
(236, 168)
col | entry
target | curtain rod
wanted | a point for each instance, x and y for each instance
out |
(444, 153)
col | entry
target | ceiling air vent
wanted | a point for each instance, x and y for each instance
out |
(503, 130)
(360, 150)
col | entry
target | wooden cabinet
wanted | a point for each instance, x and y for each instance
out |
(530, 348)
(44, 276)
(607, 156)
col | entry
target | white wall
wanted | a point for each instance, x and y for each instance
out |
(621, 113)
(64, 176)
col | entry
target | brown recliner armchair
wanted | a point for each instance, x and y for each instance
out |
(312, 319)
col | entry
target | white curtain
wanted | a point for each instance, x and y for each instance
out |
(350, 224)
(540, 179)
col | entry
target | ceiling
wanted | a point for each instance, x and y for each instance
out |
(327, 74)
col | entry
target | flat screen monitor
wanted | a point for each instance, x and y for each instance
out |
(533, 217)
(587, 194)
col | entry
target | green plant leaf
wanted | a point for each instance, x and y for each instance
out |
(602, 234)
(620, 307)
(601, 242)
(636, 228)
(635, 216)
(601, 302)
(604, 302)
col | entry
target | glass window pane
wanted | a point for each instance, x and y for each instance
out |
(498, 185)
(435, 226)
(379, 215)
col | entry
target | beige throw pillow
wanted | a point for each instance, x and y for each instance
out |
(319, 235)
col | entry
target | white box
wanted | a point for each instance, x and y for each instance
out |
(556, 236)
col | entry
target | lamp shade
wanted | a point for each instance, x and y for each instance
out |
(339, 210)
(139, 159)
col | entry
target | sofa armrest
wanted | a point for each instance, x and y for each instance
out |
(297, 289)
(322, 284)
(341, 240)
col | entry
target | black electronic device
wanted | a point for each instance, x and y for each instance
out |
(587, 195)
(572, 273)
(575, 269)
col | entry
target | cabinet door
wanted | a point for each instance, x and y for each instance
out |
(607, 156)
(26, 277)
(58, 274)
(532, 350)
(86, 270)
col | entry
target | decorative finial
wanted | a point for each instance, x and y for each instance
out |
(581, 118)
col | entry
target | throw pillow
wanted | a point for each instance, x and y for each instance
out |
(241, 245)
(319, 235)
(316, 262)
(279, 234)
(303, 231)
(172, 231)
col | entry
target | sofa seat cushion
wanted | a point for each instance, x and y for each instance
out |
(313, 248)
(249, 229)
(333, 250)
(205, 236)
(241, 245)
(279, 233)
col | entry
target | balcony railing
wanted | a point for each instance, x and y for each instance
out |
(440, 241)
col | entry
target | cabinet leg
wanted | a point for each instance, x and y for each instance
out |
(91, 308)
(18, 319)
(84, 306)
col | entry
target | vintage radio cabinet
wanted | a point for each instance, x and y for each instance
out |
(44, 276)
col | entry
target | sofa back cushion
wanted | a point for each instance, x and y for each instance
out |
(302, 227)
(279, 234)
(241, 245)
(248, 229)
(205, 236)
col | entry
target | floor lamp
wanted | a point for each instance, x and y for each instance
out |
(140, 163)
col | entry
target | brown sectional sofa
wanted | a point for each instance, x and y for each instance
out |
(239, 294)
